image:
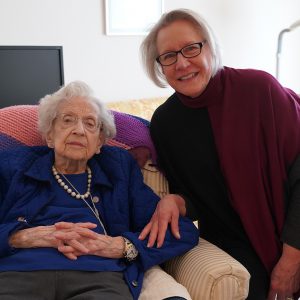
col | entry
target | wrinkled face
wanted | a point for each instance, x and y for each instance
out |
(188, 76)
(73, 134)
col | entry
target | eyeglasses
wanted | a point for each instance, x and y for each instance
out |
(69, 120)
(189, 51)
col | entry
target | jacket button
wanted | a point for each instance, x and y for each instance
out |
(95, 199)
(134, 283)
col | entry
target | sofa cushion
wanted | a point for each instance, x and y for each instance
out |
(18, 126)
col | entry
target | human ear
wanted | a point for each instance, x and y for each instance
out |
(100, 143)
(49, 140)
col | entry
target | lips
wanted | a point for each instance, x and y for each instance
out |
(188, 76)
(76, 144)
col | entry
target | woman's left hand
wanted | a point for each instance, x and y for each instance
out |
(105, 246)
(92, 242)
(167, 211)
(285, 277)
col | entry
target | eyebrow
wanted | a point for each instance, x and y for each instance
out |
(72, 113)
(186, 44)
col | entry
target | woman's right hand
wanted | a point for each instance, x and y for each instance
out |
(47, 236)
(167, 211)
(73, 237)
(35, 237)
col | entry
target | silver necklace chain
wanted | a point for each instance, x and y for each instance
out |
(77, 195)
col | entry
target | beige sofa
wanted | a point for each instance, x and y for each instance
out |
(206, 271)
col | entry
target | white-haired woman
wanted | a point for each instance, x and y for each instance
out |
(226, 139)
(70, 219)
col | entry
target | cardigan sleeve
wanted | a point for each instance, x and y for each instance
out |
(7, 227)
(287, 114)
(143, 203)
(291, 229)
(157, 122)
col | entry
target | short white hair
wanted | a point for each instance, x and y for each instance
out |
(48, 108)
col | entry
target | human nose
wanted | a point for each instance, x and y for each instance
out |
(79, 126)
(182, 62)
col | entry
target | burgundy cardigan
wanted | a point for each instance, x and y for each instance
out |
(256, 125)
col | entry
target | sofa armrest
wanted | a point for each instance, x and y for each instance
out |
(210, 273)
(206, 271)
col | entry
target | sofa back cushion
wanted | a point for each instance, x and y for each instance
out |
(18, 126)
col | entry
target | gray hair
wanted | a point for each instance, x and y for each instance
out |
(49, 105)
(149, 50)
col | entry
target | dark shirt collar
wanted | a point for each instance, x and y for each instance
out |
(208, 96)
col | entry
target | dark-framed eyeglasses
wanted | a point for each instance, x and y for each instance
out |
(67, 120)
(189, 51)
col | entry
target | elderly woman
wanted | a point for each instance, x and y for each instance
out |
(70, 219)
(226, 140)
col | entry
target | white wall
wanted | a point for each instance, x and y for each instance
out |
(110, 64)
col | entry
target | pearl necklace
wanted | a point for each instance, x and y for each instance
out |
(75, 194)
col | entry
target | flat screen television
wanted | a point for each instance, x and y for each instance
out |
(27, 73)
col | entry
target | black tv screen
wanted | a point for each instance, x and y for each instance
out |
(27, 73)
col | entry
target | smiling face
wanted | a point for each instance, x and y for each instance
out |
(74, 142)
(188, 76)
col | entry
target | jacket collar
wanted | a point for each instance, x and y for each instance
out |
(99, 176)
(40, 169)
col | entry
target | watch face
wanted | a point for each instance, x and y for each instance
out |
(130, 252)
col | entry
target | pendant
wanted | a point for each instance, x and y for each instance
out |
(95, 199)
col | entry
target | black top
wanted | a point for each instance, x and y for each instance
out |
(187, 154)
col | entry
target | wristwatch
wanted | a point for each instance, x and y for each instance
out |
(130, 252)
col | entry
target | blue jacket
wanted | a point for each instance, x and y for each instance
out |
(126, 205)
